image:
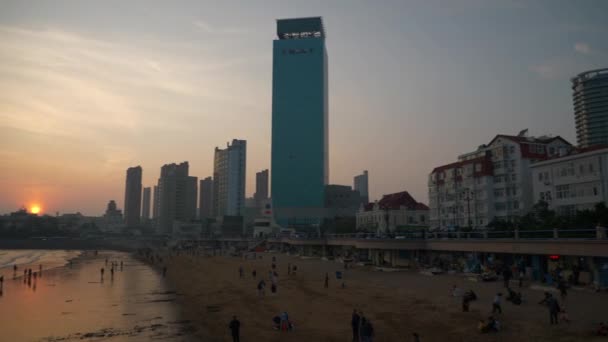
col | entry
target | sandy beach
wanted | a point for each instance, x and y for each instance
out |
(398, 303)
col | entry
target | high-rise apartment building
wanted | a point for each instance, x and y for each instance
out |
(229, 179)
(299, 163)
(361, 185)
(145, 207)
(492, 182)
(176, 196)
(261, 187)
(133, 196)
(156, 203)
(206, 198)
(590, 97)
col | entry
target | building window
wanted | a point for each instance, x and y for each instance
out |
(540, 176)
(591, 168)
(477, 167)
(594, 191)
(515, 204)
(513, 177)
(563, 191)
(511, 149)
(499, 206)
(541, 195)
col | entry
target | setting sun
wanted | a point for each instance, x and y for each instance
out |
(35, 209)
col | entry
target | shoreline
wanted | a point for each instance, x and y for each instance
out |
(73, 303)
(398, 303)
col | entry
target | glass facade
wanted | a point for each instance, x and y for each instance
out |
(299, 165)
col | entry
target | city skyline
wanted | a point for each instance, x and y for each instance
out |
(144, 109)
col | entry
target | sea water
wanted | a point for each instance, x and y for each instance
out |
(74, 303)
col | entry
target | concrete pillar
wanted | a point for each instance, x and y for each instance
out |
(516, 234)
(555, 233)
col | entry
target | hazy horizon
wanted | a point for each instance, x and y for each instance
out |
(88, 89)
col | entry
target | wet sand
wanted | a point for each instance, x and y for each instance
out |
(73, 303)
(398, 303)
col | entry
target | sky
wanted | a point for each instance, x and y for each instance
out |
(90, 88)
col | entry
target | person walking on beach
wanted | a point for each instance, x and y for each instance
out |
(354, 323)
(507, 275)
(496, 304)
(235, 326)
(240, 271)
(367, 331)
(164, 271)
(326, 280)
(112, 273)
(563, 290)
(416, 337)
(288, 268)
(101, 271)
(121, 265)
(14, 271)
(106, 261)
(254, 274)
(554, 310)
(40, 269)
(261, 286)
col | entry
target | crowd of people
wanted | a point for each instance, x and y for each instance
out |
(362, 327)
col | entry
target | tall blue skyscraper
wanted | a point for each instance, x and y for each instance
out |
(299, 166)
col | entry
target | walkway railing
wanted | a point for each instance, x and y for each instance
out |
(598, 233)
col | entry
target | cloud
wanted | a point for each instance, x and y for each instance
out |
(583, 48)
(207, 28)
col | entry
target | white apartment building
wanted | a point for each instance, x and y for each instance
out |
(572, 182)
(229, 169)
(404, 212)
(493, 181)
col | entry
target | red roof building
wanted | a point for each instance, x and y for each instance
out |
(403, 211)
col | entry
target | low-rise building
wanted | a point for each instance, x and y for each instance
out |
(574, 181)
(401, 211)
(492, 182)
